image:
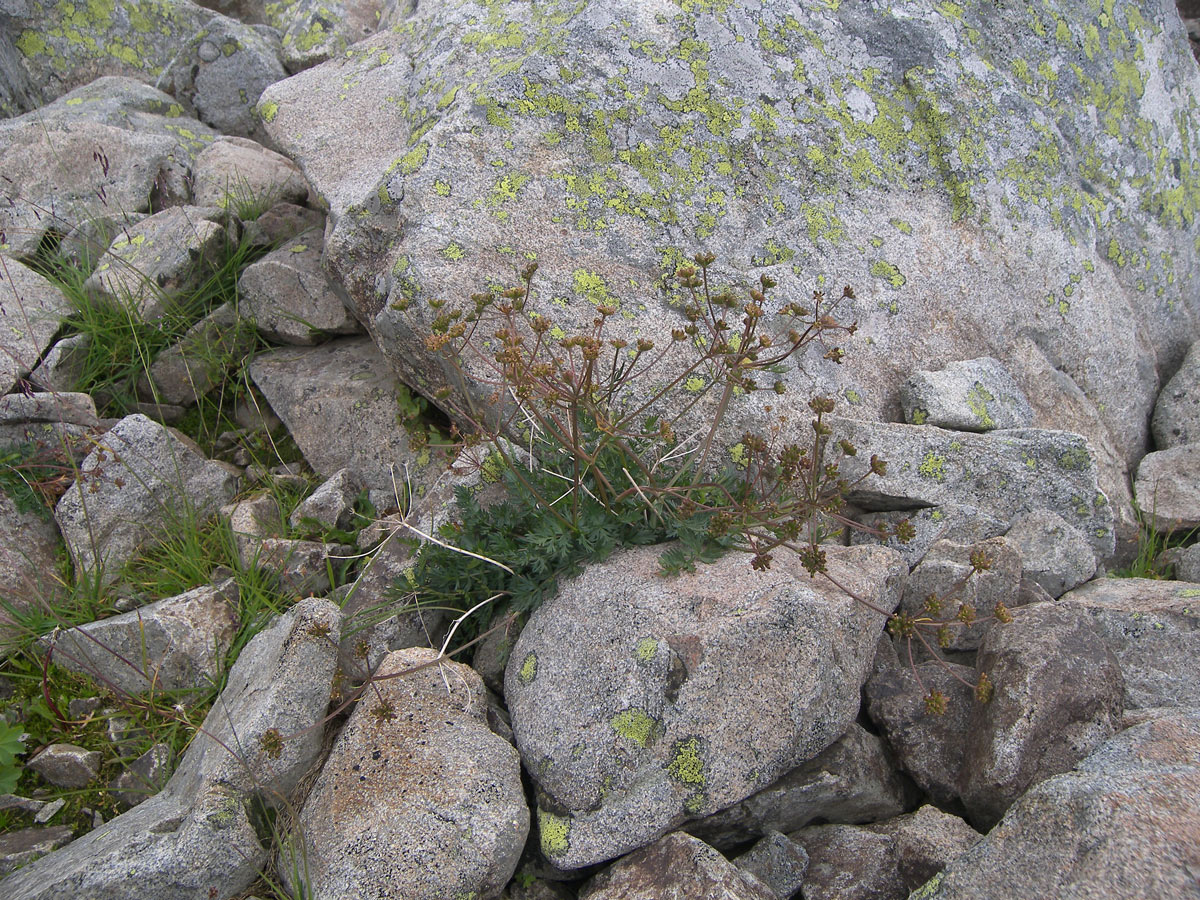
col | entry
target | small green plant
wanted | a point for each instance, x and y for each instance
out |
(12, 745)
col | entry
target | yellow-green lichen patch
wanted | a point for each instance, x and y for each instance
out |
(268, 110)
(888, 272)
(978, 398)
(529, 669)
(853, 397)
(933, 466)
(1077, 459)
(634, 725)
(738, 454)
(412, 160)
(645, 649)
(555, 833)
(441, 188)
(919, 415)
(686, 767)
(452, 251)
(695, 384)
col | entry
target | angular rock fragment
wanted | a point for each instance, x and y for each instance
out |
(194, 840)
(332, 504)
(200, 360)
(24, 845)
(176, 644)
(29, 545)
(675, 867)
(1054, 553)
(847, 862)
(1167, 488)
(1002, 473)
(1176, 418)
(149, 264)
(141, 478)
(289, 298)
(1059, 693)
(66, 765)
(972, 395)
(418, 770)
(1123, 822)
(244, 176)
(777, 861)
(1153, 629)
(851, 781)
(31, 313)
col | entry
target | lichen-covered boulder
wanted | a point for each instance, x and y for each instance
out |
(639, 702)
(104, 150)
(981, 173)
(1000, 474)
(216, 63)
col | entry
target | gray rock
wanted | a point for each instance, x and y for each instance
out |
(1054, 553)
(946, 574)
(827, 142)
(244, 176)
(1002, 473)
(1167, 488)
(962, 524)
(194, 840)
(85, 243)
(629, 729)
(1152, 629)
(281, 223)
(29, 545)
(1058, 694)
(24, 845)
(928, 747)
(31, 312)
(200, 360)
(149, 264)
(66, 765)
(1176, 418)
(62, 366)
(1188, 566)
(339, 402)
(250, 520)
(778, 862)
(926, 841)
(331, 505)
(972, 395)
(176, 644)
(675, 867)
(1124, 823)
(303, 567)
(418, 770)
(72, 408)
(289, 298)
(144, 777)
(847, 862)
(139, 480)
(851, 781)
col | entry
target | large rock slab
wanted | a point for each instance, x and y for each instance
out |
(1002, 473)
(31, 313)
(195, 840)
(1125, 823)
(176, 644)
(141, 479)
(340, 402)
(1177, 413)
(630, 693)
(1153, 629)
(212, 62)
(101, 151)
(418, 771)
(978, 172)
